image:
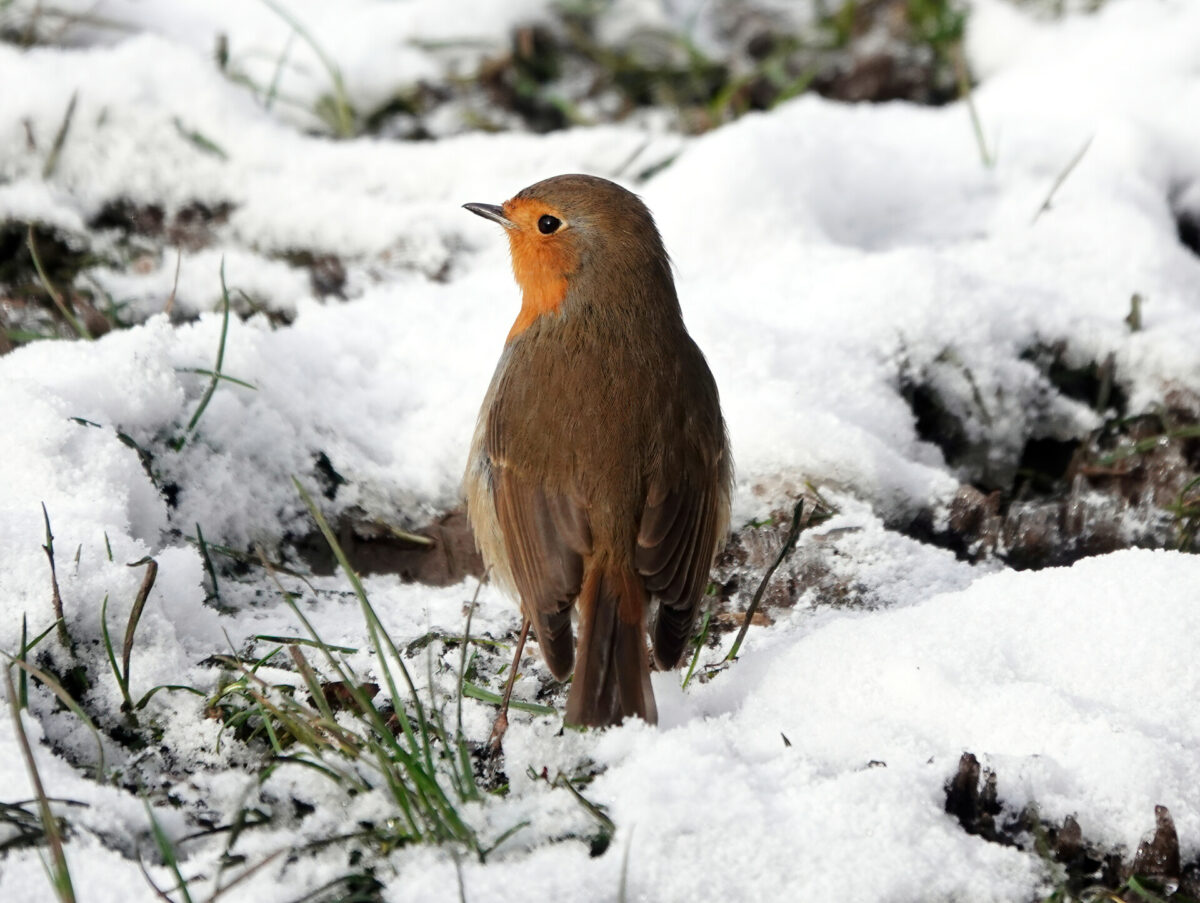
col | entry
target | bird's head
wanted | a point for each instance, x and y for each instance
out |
(578, 234)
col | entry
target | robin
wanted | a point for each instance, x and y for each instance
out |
(600, 474)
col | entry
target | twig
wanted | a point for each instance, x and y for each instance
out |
(788, 544)
(462, 663)
(175, 284)
(501, 724)
(1062, 177)
(247, 873)
(158, 891)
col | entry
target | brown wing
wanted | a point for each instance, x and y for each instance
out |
(676, 542)
(546, 537)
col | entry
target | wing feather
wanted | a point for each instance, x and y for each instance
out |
(546, 537)
(676, 543)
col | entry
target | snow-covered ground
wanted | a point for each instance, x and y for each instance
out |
(822, 252)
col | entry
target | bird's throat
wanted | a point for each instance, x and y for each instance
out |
(541, 268)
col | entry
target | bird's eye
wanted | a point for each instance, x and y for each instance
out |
(548, 223)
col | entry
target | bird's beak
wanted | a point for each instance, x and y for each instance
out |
(492, 212)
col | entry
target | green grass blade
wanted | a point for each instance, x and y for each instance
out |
(374, 631)
(704, 625)
(208, 563)
(59, 871)
(343, 118)
(212, 385)
(60, 138)
(170, 688)
(166, 849)
(112, 655)
(302, 641)
(204, 371)
(135, 615)
(534, 708)
(22, 677)
(63, 308)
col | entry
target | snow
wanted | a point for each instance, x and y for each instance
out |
(822, 252)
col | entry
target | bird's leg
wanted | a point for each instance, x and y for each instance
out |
(501, 724)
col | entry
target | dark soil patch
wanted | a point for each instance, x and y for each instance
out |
(326, 271)
(195, 226)
(439, 553)
(1132, 482)
(191, 227)
(563, 72)
(61, 258)
(893, 50)
(1187, 225)
(741, 567)
(1091, 383)
(28, 310)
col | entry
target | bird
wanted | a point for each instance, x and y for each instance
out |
(599, 476)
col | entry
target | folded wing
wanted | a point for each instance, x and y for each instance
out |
(678, 536)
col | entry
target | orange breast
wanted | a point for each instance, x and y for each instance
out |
(541, 264)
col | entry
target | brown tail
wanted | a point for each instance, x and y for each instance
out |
(612, 668)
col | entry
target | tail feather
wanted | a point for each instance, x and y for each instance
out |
(612, 669)
(673, 629)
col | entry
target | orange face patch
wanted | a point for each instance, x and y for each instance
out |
(541, 263)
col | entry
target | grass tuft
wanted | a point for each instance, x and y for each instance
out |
(335, 109)
(305, 703)
(121, 671)
(405, 760)
(1186, 510)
